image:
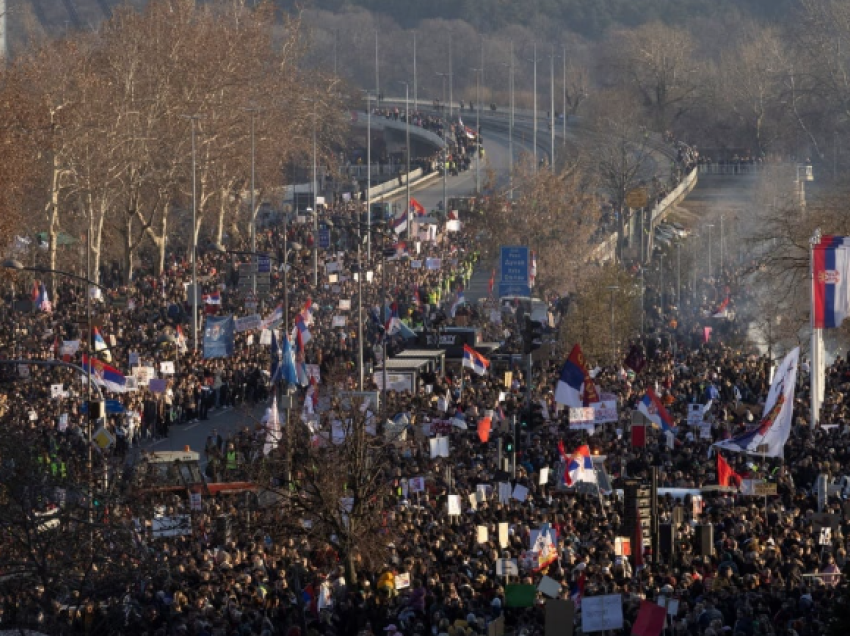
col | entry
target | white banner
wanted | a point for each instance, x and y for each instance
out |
(604, 411)
(247, 323)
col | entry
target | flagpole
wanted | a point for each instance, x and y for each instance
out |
(814, 371)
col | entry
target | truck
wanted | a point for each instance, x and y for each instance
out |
(179, 472)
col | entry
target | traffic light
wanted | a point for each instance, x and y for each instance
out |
(509, 443)
(532, 335)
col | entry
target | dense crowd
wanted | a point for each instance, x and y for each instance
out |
(768, 572)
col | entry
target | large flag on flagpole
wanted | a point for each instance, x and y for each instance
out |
(104, 375)
(272, 429)
(769, 437)
(830, 282)
(571, 380)
(474, 360)
(655, 412)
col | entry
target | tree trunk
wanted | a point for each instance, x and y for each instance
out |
(160, 241)
(222, 213)
(53, 219)
(128, 249)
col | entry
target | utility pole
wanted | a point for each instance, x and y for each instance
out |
(477, 72)
(552, 110)
(535, 108)
(564, 53)
(415, 93)
(377, 72)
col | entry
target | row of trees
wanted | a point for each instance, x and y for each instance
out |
(719, 80)
(98, 127)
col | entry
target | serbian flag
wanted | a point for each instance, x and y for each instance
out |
(300, 333)
(417, 208)
(400, 224)
(830, 282)
(725, 474)
(654, 410)
(306, 312)
(212, 299)
(457, 303)
(474, 360)
(492, 283)
(580, 467)
(571, 380)
(417, 299)
(532, 272)
(577, 589)
(100, 345)
(721, 311)
(34, 293)
(104, 375)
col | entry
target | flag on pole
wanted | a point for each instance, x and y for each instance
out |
(104, 375)
(100, 345)
(272, 429)
(830, 282)
(544, 549)
(457, 303)
(580, 467)
(654, 411)
(400, 224)
(570, 383)
(474, 360)
(725, 474)
(491, 283)
(416, 207)
(721, 311)
(769, 437)
(300, 332)
(287, 371)
(306, 312)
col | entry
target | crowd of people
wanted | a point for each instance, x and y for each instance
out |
(768, 569)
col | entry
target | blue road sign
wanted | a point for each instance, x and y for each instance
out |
(515, 266)
(324, 238)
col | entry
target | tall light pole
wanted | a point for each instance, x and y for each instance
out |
(407, 153)
(368, 170)
(451, 81)
(678, 273)
(534, 141)
(444, 77)
(721, 245)
(377, 72)
(511, 124)
(552, 110)
(564, 87)
(477, 72)
(709, 226)
(194, 119)
(415, 93)
(612, 289)
(253, 111)
(661, 282)
(315, 191)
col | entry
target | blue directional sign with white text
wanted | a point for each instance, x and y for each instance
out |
(515, 263)
(264, 265)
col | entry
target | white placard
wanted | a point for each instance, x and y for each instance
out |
(369, 276)
(266, 337)
(344, 304)
(416, 264)
(338, 321)
(601, 613)
(504, 492)
(134, 358)
(507, 567)
(453, 225)
(454, 505)
(332, 266)
(57, 391)
(520, 493)
(402, 580)
(549, 587)
(705, 430)
(247, 323)
(481, 534)
(605, 411)
(130, 383)
(166, 368)
(333, 278)
(695, 414)
(544, 476)
(825, 536)
(439, 447)
(433, 263)
(503, 535)
(582, 415)
(63, 422)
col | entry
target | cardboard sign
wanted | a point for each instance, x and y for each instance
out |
(338, 321)
(402, 581)
(453, 505)
(549, 587)
(695, 414)
(507, 567)
(504, 531)
(344, 305)
(605, 411)
(601, 613)
(166, 368)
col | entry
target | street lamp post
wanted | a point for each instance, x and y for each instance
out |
(678, 274)
(253, 112)
(534, 133)
(194, 120)
(661, 282)
(368, 169)
(612, 289)
(552, 109)
(564, 87)
(478, 72)
(804, 173)
(709, 226)
(407, 153)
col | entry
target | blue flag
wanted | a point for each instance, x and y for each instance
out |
(275, 370)
(287, 366)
